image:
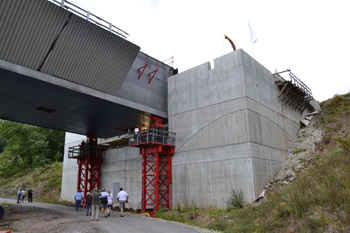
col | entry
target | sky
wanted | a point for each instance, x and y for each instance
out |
(309, 37)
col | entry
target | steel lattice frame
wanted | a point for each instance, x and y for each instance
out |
(156, 177)
(88, 174)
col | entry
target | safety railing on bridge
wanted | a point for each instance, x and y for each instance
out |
(154, 135)
(90, 17)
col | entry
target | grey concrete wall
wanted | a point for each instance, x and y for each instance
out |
(231, 130)
(231, 133)
(123, 166)
(119, 165)
(70, 168)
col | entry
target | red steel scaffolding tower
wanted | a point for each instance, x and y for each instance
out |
(156, 147)
(89, 160)
(156, 176)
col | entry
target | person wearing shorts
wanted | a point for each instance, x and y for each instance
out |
(104, 201)
(122, 198)
(110, 203)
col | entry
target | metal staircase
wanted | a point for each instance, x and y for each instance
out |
(293, 93)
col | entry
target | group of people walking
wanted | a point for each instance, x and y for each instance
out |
(100, 199)
(21, 194)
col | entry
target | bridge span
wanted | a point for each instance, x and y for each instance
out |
(61, 71)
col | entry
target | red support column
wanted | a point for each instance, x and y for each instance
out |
(143, 182)
(156, 181)
(89, 160)
(170, 182)
(79, 175)
(97, 171)
(150, 181)
(156, 177)
(86, 174)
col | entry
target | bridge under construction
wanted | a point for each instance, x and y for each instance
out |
(202, 131)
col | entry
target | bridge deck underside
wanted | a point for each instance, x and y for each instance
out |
(36, 102)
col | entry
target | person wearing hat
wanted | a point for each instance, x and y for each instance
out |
(87, 202)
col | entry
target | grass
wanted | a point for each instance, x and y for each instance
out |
(45, 181)
(297, 151)
(316, 201)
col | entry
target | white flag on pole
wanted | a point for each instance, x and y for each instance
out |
(253, 37)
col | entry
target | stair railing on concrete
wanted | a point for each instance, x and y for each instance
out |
(293, 93)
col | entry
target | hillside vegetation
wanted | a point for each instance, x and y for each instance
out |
(30, 158)
(25, 146)
(44, 181)
(315, 200)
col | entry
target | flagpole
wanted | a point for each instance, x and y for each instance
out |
(253, 38)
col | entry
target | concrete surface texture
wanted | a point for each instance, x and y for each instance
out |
(121, 166)
(231, 133)
(231, 130)
(70, 168)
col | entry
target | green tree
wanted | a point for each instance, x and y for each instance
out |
(2, 144)
(30, 146)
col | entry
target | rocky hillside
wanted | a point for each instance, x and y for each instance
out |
(303, 151)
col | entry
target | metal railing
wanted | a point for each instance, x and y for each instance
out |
(90, 17)
(154, 135)
(85, 150)
(295, 81)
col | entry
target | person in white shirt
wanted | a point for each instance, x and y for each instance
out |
(110, 203)
(122, 198)
(23, 195)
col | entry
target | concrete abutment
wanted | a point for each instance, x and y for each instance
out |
(231, 133)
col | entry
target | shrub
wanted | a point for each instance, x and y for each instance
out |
(236, 199)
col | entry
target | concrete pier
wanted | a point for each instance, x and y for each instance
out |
(231, 132)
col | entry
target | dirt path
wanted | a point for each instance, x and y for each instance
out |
(32, 219)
